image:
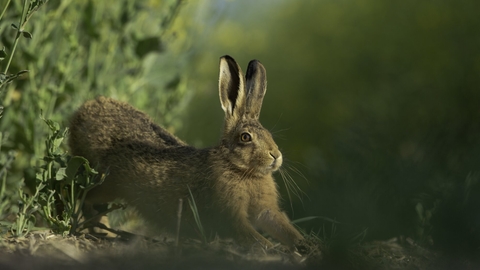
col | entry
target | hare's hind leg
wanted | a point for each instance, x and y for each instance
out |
(92, 216)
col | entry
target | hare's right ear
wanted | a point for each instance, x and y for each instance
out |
(231, 87)
(256, 79)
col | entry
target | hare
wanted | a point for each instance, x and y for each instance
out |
(232, 183)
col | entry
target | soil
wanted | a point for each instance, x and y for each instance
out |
(45, 250)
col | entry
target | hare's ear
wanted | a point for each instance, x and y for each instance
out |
(256, 87)
(231, 87)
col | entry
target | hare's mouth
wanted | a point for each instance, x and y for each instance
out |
(275, 165)
(266, 168)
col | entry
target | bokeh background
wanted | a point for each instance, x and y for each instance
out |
(375, 104)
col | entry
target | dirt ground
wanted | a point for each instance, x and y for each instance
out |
(45, 250)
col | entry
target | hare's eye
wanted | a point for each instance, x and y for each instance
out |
(245, 137)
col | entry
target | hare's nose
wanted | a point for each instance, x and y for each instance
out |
(277, 157)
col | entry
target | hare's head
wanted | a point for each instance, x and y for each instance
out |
(250, 147)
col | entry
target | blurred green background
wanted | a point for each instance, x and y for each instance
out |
(375, 104)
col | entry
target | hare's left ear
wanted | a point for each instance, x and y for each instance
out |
(256, 87)
(231, 87)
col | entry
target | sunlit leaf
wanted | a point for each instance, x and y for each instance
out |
(61, 174)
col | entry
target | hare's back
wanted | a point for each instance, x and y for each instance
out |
(101, 123)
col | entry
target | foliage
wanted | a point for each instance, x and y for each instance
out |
(29, 7)
(76, 50)
(25, 219)
(60, 189)
(110, 49)
(63, 185)
(5, 195)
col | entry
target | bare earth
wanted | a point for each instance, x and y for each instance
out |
(44, 250)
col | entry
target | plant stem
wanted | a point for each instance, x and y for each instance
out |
(4, 9)
(17, 37)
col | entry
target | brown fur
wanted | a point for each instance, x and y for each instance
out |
(232, 183)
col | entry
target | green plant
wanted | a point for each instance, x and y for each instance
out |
(82, 49)
(129, 50)
(61, 185)
(25, 218)
(6, 163)
(29, 7)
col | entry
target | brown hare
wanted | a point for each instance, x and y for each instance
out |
(231, 183)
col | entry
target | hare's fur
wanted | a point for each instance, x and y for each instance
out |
(232, 183)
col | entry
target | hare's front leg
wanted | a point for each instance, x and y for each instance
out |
(248, 236)
(265, 214)
(276, 224)
(236, 205)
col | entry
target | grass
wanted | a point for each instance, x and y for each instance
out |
(196, 216)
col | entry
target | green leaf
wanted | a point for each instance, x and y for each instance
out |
(57, 142)
(3, 54)
(39, 176)
(61, 174)
(73, 165)
(27, 35)
(21, 72)
(89, 169)
(14, 26)
(54, 126)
